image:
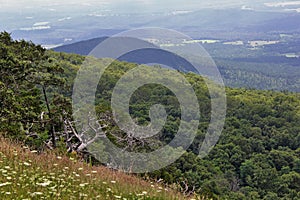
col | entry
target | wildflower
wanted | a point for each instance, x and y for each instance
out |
(118, 197)
(45, 183)
(144, 192)
(37, 193)
(53, 187)
(83, 195)
(113, 182)
(26, 164)
(4, 184)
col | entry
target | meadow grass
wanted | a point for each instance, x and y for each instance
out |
(25, 174)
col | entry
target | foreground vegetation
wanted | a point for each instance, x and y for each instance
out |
(26, 174)
(257, 156)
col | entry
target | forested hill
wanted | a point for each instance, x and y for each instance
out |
(257, 156)
(81, 48)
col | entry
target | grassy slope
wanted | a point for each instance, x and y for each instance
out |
(26, 175)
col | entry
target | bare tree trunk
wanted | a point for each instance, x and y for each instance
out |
(52, 130)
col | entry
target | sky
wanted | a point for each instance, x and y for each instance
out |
(197, 4)
(13, 11)
(138, 5)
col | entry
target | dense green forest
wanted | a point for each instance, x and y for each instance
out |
(257, 156)
(264, 67)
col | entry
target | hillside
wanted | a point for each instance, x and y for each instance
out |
(29, 174)
(256, 157)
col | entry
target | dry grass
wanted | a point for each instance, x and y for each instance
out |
(26, 175)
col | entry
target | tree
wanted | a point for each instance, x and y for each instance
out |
(20, 99)
(30, 87)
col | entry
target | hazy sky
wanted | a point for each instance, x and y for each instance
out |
(22, 14)
(197, 4)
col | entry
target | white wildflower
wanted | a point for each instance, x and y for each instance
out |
(26, 163)
(4, 184)
(45, 183)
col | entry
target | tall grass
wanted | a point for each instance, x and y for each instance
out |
(26, 175)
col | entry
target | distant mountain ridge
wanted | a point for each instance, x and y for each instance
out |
(263, 67)
(81, 48)
(149, 55)
(268, 70)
